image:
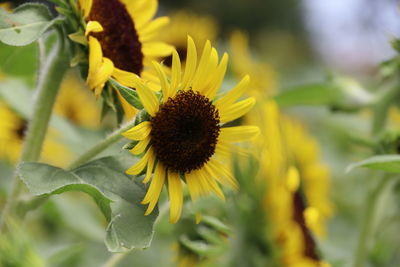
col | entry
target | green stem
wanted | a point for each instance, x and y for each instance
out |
(382, 107)
(102, 145)
(367, 226)
(49, 80)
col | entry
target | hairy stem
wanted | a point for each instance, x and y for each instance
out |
(102, 145)
(367, 227)
(49, 80)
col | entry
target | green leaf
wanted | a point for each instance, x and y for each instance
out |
(115, 193)
(25, 25)
(315, 94)
(128, 94)
(388, 163)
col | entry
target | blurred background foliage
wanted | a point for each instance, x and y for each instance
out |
(289, 43)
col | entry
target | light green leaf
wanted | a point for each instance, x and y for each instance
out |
(25, 25)
(315, 94)
(388, 163)
(128, 94)
(114, 192)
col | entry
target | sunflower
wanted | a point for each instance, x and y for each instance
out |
(12, 133)
(264, 80)
(122, 37)
(291, 172)
(183, 23)
(186, 138)
(72, 98)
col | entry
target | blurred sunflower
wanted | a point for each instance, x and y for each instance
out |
(297, 187)
(12, 132)
(6, 6)
(186, 137)
(263, 76)
(72, 97)
(122, 38)
(183, 23)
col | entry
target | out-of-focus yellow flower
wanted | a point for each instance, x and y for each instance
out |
(290, 171)
(183, 23)
(263, 77)
(12, 131)
(76, 104)
(6, 6)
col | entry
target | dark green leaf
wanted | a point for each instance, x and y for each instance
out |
(25, 25)
(388, 163)
(115, 193)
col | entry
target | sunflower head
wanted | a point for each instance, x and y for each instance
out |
(186, 139)
(113, 38)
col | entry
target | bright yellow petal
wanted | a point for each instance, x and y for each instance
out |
(238, 133)
(202, 70)
(141, 146)
(155, 188)
(221, 174)
(175, 196)
(234, 94)
(176, 71)
(193, 186)
(141, 11)
(85, 5)
(151, 30)
(148, 98)
(140, 165)
(129, 110)
(139, 132)
(150, 166)
(191, 63)
(207, 178)
(93, 26)
(165, 88)
(237, 110)
(293, 179)
(217, 78)
(95, 55)
(156, 49)
(101, 76)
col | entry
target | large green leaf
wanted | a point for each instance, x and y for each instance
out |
(314, 94)
(388, 163)
(25, 25)
(115, 193)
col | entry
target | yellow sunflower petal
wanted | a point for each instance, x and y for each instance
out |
(93, 26)
(139, 132)
(151, 30)
(193, 186)
(148, 98)
(234, 94)
(217, 78)
(95, 55)
(165, 88)
(221, 174)
(141, 11)
(202, 70)
(140, 165)
(207, 178)
(175, 196)
(86, 5)
(100, 77)
(237, 110)
(191, 63)
(176, 71)
(155, 188)
(238, 133)
(141, 146)
(156, 49)
(129, 110)
(150, 166)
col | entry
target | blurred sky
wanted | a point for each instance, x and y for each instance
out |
(352, 35)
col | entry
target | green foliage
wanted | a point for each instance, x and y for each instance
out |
(25, 25)
(117, 196)
(128, 94)
(388, 163)
(315, 94)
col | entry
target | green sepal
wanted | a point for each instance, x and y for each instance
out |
(129, 94)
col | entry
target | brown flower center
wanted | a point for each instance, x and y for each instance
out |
(185, 132)
(119, 40)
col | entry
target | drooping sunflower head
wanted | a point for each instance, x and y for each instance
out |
(186, 138)
(122, 37)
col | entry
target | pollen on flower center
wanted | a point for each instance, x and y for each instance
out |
(185, 131)
(119, 39)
